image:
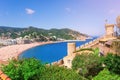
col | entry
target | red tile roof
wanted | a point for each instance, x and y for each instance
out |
(4, 76)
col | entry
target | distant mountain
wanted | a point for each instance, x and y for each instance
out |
(4, 29)
(57, 33)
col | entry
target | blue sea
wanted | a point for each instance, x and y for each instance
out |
(49, 53)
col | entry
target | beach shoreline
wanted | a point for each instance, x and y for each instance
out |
(13, 51)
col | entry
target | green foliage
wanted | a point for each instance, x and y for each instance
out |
(37, 32)
(87, 64)
(96, 51)
(32, 69)
(112, 62)
(23, 69)
(60, 73)
(85, 49)
(106, 75)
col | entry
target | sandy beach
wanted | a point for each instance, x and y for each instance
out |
(13, 51)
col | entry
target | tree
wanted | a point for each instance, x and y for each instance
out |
(106, 75)
(24, 69)
(33, 69)
(87, 64)
(112, 62)
(60, 73)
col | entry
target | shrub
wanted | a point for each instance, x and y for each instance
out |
(60, 73)
(85, 49)
(33, 69)
(87, 64)
(106, 75)
(112, 62)
(23, 69)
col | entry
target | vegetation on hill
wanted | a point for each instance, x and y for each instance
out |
(60, 73)
(87, 65)
(33, 32)
(112, 62)
(32, 69)
(25, 69)
(112, 68)
(106, 75)
(92, 66)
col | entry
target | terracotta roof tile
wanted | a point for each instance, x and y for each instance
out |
(4, 76)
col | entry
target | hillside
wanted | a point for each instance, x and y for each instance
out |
(65, 33)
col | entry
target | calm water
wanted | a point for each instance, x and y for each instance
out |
(50, 52)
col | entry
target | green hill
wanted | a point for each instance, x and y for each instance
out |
(65, 33)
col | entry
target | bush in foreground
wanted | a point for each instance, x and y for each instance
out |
(112, 62)
(87, 64)
(23, 69)
(106, 75)
(60, 73)
(33, 69)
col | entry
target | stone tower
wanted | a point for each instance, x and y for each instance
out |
(71, 47)
(109, 28)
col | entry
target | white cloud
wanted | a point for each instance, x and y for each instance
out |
(29, 11)
(68, 9)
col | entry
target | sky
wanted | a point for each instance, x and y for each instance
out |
(86, 16)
